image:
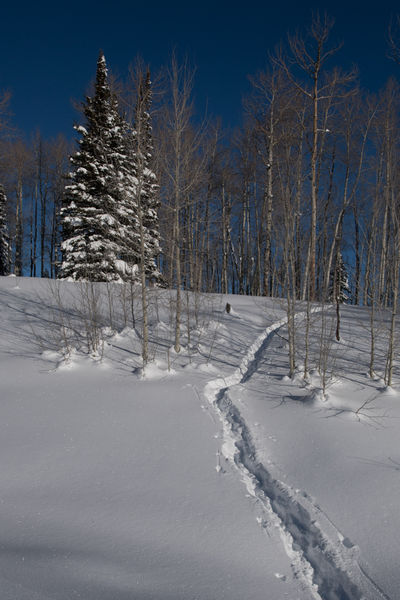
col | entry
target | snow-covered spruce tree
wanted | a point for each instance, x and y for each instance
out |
(97, 206)
(146, 197)
(5, 254)
(339, 289)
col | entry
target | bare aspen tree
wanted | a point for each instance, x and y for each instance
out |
(225, 237)
(392, 239)
(370, 296)
(43, 182)
(19, 227)
(207, 214)
(337, 295)
(217, 251)
(246, 176)
(267, 108)
(34, 209)
(394, 39)
(140, 156)
(388, 131)
(309, 56)
(59, 151)
(372, 246)
(40, 203)
(19, 158)
(395, 266)
(290, 284)
(44, 185)
(286, 242)
(383, 243)
(145, 197)
(352, 155)
(180, 144)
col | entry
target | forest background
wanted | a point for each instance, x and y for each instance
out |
(307, 183)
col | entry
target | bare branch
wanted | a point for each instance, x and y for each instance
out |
(394, 39)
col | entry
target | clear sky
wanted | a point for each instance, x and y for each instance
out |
(48, 50)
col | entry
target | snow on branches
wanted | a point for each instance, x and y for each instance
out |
(110, 212)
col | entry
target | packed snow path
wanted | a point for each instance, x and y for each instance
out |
(327, 567)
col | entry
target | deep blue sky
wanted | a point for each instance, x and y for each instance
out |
(48, 51)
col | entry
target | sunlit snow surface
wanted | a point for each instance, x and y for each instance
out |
(207, 475)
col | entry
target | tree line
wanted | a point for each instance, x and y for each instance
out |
(307, 184)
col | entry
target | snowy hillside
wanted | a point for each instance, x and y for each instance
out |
(208, 475)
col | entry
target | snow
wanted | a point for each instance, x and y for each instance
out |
(207, 474)
(81, 129)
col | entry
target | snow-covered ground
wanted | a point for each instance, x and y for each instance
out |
(210, 475)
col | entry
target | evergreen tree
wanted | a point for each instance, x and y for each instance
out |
(5, 254)
(339, 289)
(147, 202)
(96, 207)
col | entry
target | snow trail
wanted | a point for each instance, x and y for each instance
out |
(328, 569)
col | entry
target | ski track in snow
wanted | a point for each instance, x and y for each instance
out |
(327, 566)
